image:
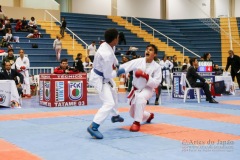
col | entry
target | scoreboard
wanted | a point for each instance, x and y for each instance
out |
(205, 66)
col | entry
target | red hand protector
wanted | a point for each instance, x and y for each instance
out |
(113, 67)
(140, 73)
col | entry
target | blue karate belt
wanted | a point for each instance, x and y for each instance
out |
(101, 74)
(98, 72)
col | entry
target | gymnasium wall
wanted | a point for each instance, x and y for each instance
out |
(237, 10)
(18, 8)
(139, 8)
(99, 7)
(222, 7)
(176, 9)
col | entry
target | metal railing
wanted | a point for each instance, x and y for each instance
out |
(73, 34)
(217, 27)
(141, 23)
(38, 70)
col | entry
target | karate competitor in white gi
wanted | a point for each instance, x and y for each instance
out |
(147, 75)
(101, 77)
(166, 68)
(22, 65)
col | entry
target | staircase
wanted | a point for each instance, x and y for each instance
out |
(67, 41)
(92, 27)
(225, 38)
(147, 37)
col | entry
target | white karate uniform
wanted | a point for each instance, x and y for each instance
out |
(24, 62)
(57, 45)
(103, 61)
(143, 88)
(166, 68)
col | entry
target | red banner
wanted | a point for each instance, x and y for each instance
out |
(60, 90)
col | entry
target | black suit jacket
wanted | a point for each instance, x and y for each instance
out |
(193, 76)
(78, 65)
(234, 63)
(13, 76)
(64, 24)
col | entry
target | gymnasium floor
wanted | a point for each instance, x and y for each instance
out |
(189, 131)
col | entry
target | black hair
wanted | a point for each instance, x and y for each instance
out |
(184, 67)
(154, 47)
(205, 56)
(10, 50)
(110, 35)
(231, 51)
(79, 54)
(64, 60)
(192, 60)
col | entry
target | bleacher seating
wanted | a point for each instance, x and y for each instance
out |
(44, 55)
(191, 33)
(92, 27)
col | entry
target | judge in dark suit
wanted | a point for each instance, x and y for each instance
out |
(234, 62)
(78, 64)
(193, 76)
(11, 74)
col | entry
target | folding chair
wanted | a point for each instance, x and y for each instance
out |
(197, 89)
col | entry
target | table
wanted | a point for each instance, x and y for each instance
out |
(228, 83)
(60, 90)
(9, 94)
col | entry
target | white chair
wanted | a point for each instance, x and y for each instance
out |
(197, 89)
(37, 81)
(168, 85)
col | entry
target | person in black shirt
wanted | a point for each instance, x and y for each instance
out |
(234, 62)
(207, 57)
(12, 74)
(176, 64)
(122, 39)
(63, 27)
(24, 24)
(192, 77)
(78, 63)
(217, 70)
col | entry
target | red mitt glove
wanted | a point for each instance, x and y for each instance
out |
(22, 67)
(140, 73)
(113, 67)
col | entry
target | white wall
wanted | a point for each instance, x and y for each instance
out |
(6, 3)
(176, 9)
(40, 4)
(237, 10)
(100, 7)
(221, 8)
(139, 8)
(188, 9)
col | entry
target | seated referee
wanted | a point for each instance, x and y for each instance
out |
(192, 77)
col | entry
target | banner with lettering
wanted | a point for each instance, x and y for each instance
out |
(60, 90)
